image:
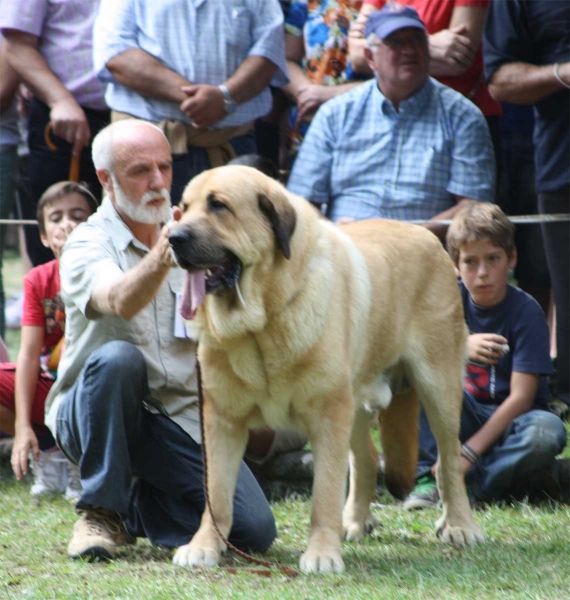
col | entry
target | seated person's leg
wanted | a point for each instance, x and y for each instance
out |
(167, 502)
(519, 459)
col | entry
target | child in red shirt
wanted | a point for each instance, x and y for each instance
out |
(25, 385)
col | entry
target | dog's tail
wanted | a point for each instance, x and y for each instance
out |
(399, 437)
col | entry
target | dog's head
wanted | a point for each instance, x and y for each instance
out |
(234, 218)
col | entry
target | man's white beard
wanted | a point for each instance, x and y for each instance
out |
(140, 211)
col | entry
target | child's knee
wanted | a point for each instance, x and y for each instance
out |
(545, 434)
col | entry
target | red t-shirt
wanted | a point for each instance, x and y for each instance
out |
(436, 15)
(43, 306)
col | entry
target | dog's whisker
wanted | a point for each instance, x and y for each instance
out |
(241, 299)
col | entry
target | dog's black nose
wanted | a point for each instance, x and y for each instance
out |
(178, 237)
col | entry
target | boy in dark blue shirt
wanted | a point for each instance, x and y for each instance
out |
(509, 437)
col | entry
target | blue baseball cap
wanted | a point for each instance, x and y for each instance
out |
(390, 18)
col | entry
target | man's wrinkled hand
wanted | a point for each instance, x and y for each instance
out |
(70, 123)
(163, 247)
(451, 52)
(204, 105)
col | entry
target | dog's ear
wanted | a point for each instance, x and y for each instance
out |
(282, 218)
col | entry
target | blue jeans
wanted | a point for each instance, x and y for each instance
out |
(141, 464)
(187, 166)
(527, 448)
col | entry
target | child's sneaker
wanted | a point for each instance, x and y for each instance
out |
(49, 473)
(74, 488)
(424, 495)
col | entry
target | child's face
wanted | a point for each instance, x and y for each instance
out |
(484, 269)
(61, 217)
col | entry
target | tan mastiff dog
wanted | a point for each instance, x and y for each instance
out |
(302, 323)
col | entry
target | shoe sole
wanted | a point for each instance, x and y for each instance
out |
(93, 554)
(418, 504)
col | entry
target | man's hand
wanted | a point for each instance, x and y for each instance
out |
(163, 248)
(70, 123)
(204, 105)
(24, 441)
(485, 348)
(451, 52)
(310, 97)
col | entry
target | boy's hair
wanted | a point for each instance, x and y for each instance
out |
(59, 190)
(480, 220)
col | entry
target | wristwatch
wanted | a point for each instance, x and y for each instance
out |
(229, 103)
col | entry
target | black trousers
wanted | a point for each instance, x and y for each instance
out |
(557, 246)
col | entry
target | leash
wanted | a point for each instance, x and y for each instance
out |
(284, 569)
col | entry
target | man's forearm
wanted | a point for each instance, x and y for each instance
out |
(522, 83)
(129, 294)
(139, 71)
(24, 57)
(439, 229)
(251, 78)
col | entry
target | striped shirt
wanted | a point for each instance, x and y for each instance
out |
(65, 32)
(205, 41)
(365, 160)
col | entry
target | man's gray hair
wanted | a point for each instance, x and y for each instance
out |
(102, 148)
(372, 40)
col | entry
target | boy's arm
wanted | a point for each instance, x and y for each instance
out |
(27, 371)
(523, 392)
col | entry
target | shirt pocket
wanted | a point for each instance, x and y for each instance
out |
(238, 27)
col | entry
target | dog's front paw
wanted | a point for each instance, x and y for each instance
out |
(198, 553)
(355, 530)
(460, 535)
(322, 555)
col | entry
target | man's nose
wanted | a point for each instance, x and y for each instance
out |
(158, 179)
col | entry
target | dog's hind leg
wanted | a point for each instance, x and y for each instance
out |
(440, 388)
(399, 437)
(329, 434)
(225, 446)
(357, 519)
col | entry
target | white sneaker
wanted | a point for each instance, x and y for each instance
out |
(49, 472)
(74, 488)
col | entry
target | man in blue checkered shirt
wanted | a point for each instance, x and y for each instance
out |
(401, 146)
(200, 69)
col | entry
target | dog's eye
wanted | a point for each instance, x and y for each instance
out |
(216, 205)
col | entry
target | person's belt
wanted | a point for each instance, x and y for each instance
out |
(180, 136)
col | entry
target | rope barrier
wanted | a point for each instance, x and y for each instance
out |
(517, 220)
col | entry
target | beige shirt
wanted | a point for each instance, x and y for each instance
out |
(102, 248)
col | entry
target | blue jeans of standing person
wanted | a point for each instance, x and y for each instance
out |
(187, 166)
(526, 449)
(142, 464)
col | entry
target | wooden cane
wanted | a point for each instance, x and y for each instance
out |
(75, 164)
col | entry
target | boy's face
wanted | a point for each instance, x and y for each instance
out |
(61, 217)
(484, 269)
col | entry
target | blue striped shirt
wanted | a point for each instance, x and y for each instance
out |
(205, 41)
(365, 160)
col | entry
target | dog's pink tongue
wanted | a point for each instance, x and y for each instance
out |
(194, 294)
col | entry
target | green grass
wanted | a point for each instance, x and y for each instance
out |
(526, 556)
